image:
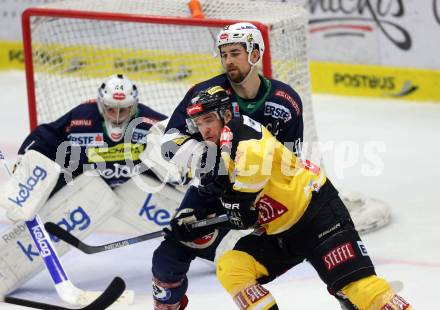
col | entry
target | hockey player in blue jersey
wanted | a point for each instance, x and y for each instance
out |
(93, 134)
(271, 102)
(107, 147)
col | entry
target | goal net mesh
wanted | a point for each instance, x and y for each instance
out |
(72, 56)
(72, 53)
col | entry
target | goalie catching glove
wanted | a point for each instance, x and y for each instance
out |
(241, 209)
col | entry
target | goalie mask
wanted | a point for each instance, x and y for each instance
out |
(214, 99)
(118, 100)
(244, 33)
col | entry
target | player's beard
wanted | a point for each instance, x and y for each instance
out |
(236, 76)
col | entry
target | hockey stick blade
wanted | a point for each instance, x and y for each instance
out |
(66, 236)
(108, 297)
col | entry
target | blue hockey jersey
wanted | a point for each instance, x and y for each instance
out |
(78, 142)
(277, 106)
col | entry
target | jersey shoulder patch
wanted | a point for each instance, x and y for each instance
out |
(283, 93)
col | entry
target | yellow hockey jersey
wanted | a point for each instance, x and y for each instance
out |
(258, 163)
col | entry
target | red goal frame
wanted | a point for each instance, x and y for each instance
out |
(167, 20)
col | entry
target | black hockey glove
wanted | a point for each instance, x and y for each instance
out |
(213, 186)
(181, 229)
(240, 209)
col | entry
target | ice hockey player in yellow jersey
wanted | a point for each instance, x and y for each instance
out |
(294, 208)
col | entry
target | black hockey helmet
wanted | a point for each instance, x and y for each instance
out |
(212, 99)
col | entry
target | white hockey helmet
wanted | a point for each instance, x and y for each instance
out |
(245, 33)
(118, 100)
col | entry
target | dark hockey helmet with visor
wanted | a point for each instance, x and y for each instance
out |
(213, 99)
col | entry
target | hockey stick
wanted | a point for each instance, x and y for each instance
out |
(108, 297)
(64, 287)
(91, 249)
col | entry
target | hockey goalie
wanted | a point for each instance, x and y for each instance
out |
(83, 168)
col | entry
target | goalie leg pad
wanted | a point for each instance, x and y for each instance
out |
(79, 208)
(374, 293)
(148, 204)
(341, 259)
(238, 272)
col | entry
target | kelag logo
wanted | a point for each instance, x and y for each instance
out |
(384, 83)
(24, 190)
(41, 241)
(159, 216)
(78, 219)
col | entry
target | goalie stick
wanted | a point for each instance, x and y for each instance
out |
(91, 249)
(108, 297)
(65, 289)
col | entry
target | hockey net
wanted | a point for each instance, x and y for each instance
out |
(71, 46)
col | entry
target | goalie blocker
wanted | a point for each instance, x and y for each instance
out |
(34, 178)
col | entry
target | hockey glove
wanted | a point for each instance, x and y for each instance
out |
(181, 229)
(241, 210)
(213, 186)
